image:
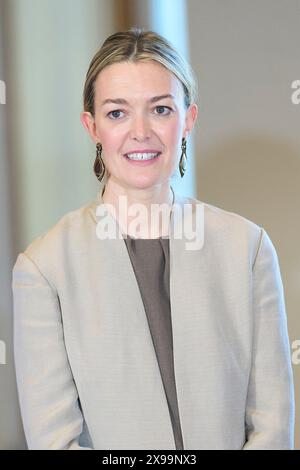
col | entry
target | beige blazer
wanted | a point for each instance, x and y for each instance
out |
(87, 372)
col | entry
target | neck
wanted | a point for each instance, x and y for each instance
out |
(159, 194)
(151, 217)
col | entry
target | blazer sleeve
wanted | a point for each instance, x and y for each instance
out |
(49, 403)
(270, 401)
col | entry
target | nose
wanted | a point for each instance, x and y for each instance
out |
(140, 129)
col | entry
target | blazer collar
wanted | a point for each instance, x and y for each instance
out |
(182, 219)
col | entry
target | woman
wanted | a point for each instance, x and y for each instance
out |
(126, 335)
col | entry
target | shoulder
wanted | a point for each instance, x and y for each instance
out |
(66, 237)
(221, 218)
(229, 230)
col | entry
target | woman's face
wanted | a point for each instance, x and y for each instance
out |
(139, 107)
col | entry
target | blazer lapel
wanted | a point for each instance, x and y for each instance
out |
(139, 368)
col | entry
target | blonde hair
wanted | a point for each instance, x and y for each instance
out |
(136, 45)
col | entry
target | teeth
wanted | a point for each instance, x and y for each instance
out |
(142, 156)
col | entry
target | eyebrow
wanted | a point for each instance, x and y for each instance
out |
(122, 101)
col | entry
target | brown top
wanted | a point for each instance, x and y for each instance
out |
(151, 263)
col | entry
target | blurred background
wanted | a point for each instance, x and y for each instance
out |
(243, 155)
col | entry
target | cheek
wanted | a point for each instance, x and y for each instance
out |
(110, 137)
(172, 138)
(170, 133)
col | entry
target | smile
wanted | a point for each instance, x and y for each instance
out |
(142, 156)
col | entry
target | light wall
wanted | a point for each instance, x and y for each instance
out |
(247, 143)
(49, 45)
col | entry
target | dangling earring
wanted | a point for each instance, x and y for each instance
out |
(183, 158)
(99, 167)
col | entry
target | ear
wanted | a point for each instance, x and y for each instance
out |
(88, 123)
(190, 118)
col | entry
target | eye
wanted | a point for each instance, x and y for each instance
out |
(112, 114)
(162, 108)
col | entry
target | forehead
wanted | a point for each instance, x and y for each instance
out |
(136, 80)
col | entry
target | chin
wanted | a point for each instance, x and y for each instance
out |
(144, 183)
